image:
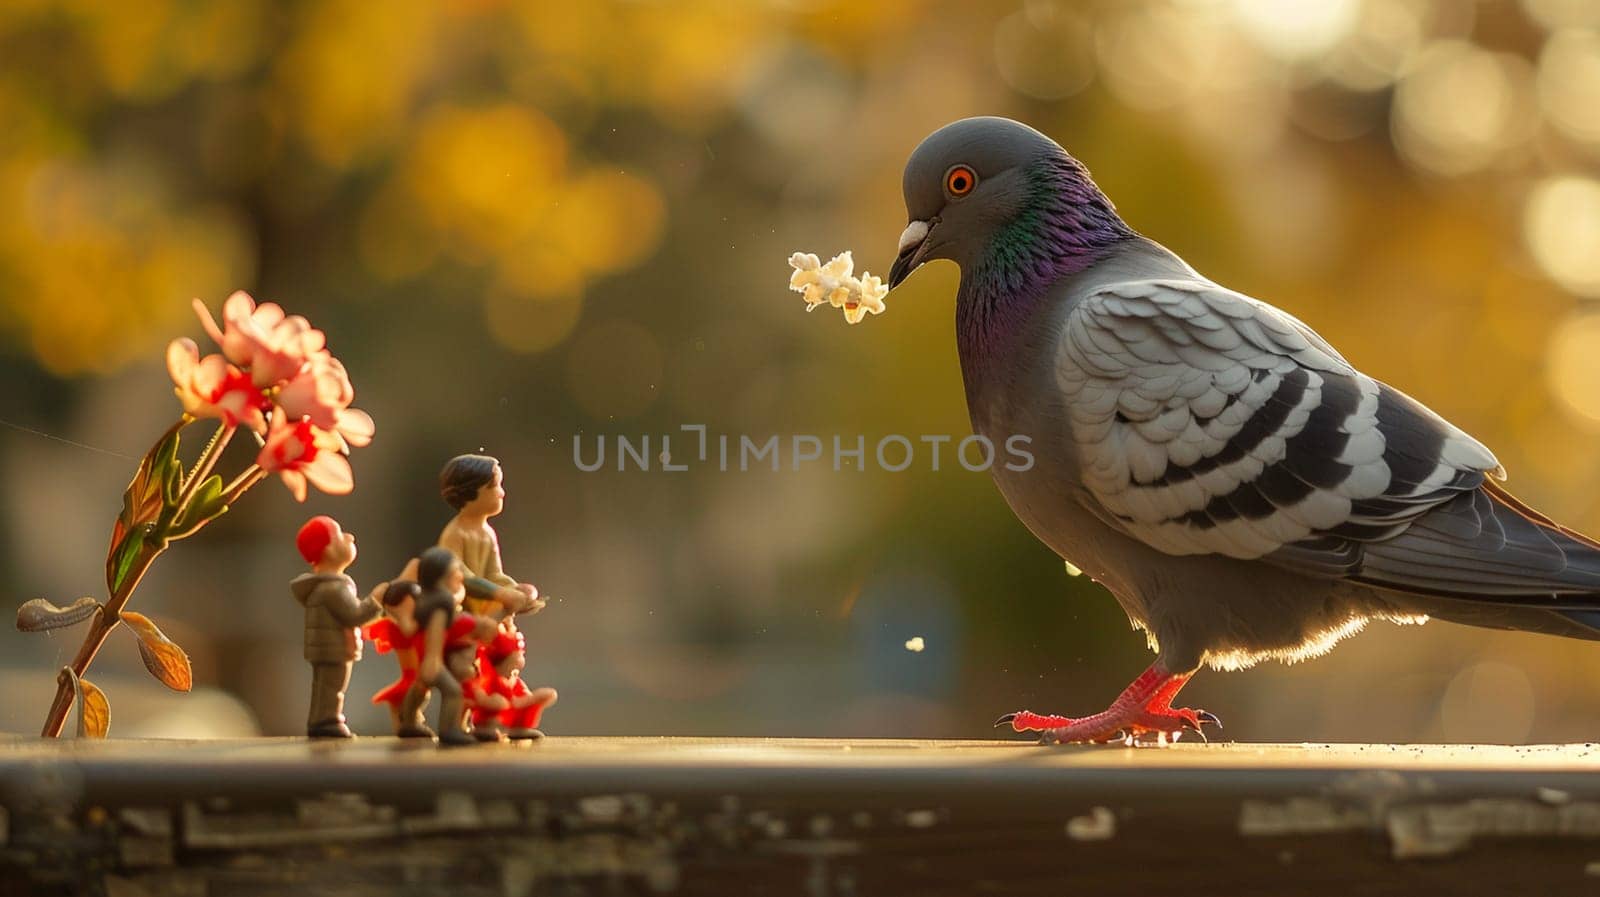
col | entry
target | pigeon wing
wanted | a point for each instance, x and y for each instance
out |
(1208, 422)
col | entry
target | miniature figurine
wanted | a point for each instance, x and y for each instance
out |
(398, 632)
(333, 613)
(473, 485)
(502, 704)
(448, 649)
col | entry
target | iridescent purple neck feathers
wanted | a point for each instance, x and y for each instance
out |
(1065, 226)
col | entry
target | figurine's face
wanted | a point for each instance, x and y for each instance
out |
(491, 497)
(511, 665)
(341, 550)
(455, 581)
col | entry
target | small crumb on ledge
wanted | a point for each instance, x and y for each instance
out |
(1099, 824)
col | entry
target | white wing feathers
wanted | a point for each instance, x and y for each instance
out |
(1209, 422)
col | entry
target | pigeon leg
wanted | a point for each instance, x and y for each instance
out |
(1143, 708)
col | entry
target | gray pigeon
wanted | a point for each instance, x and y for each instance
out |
(1242, 490)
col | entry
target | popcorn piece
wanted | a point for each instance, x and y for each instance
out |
(836, 284)
(915, 644)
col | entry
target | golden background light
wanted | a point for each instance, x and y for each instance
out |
(1460, 107)
(1574, 367)
(1569, 83)
(1294, 30)
(1562, 226)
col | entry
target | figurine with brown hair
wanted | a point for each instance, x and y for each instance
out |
(333, 614)
(448, 651)
(474, 486)
(398, 633)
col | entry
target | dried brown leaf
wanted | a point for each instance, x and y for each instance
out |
(94, 711)
(40, 615)
(162, 657)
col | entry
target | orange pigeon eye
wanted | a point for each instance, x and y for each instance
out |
(960, 180)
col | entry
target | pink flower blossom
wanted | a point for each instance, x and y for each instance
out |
(299, 452)
(236, 309)
(273, 346)
(355, 427)
(322, 393)
(319, 391)
(211, 387)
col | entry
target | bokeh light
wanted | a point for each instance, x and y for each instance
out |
(1044, 50)
(1295, 30)
(531, 323)
(1574, 367)
(1563, 13)
(1460, 107)
(1380, 46)
(1491, 702)
(1569, 83)
(1562, 225)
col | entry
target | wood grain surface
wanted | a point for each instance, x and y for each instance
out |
(575, 816)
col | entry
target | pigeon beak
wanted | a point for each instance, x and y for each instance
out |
(913, 240)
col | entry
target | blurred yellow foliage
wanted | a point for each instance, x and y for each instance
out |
(349, 71)
(96, 255)
(485, 177)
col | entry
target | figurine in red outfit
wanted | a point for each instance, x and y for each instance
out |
(449, 644)
(398, 632)
(502, 704)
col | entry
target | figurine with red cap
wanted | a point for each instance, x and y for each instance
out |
(334, 613)
(502, 704)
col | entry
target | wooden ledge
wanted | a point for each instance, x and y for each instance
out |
(574, 815)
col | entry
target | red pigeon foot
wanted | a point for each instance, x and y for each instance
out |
(1144, 708)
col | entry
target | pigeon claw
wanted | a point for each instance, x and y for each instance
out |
(1142, 714)
(1028, 721)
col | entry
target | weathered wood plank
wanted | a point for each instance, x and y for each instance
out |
(812, 817)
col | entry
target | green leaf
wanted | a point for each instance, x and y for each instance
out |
(40, 615)
(162, 657)
(143, 496)
(123, 556)
(141, 503)
(171, 482)
(204, 506)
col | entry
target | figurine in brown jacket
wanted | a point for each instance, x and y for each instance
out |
(334, 613)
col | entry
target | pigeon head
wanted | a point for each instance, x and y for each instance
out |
(997, 197)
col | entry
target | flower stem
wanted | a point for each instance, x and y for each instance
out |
(204, 464)
(110, 615)
(241, 484)
(103, 622)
